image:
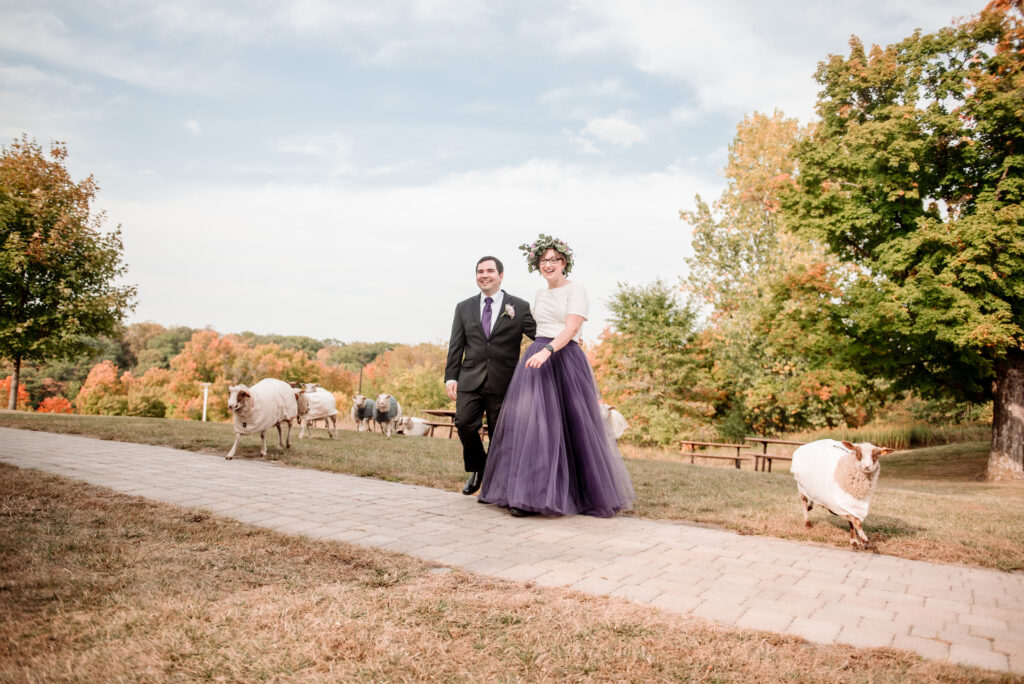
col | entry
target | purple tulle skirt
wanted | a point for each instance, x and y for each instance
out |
(551, 452)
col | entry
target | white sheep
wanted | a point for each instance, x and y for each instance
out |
(362, 412)
(839, 476)
(614, 422)
(315, 403)
(386, 413)
(411, 426)
(267, 404)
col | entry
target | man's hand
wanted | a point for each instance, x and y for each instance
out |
(452, 388)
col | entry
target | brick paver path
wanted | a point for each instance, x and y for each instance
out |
(827, 595)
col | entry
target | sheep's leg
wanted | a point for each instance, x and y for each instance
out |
(856, 531)
(263, 444)
(305, 424)
(332, 427)
(231, 454)
(288, 438)
(806, 504)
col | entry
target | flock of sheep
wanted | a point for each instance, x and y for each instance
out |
(271, 403)
(838, 476)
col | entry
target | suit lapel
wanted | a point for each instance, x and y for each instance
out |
(500, 313)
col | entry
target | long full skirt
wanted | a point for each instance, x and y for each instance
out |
(551, 452)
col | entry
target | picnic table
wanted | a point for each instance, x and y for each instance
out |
(764, 457)
(446, 419)
(689, 448)
(441, 418)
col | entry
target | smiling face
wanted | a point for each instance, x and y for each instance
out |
(488, 278)
(551, 263)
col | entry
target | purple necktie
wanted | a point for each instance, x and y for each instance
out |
(485, 318)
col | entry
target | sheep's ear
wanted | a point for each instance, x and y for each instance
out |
(848, 445)
(882, 451)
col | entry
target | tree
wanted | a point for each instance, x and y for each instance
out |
(57, 270)
(771, 350)
(647, 367)
(915, 174)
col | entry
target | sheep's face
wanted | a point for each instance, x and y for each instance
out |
(359, 401)
(383, 403)
(867, 455)
(238, 398)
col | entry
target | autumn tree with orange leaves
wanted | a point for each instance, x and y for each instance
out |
(769, 347)
(57, 267)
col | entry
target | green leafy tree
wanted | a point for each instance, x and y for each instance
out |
(647, 367)
(772, 353)
(915, 174)
(57, 269)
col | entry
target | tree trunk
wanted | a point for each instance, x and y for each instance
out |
(1006, 459)
(12, 400)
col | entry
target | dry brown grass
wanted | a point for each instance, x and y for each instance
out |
(98, 586)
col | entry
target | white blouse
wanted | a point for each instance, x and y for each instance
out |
(552, 306)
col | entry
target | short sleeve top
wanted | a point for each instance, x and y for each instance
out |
(552, 306)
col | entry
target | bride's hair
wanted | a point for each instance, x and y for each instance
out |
(535, 250)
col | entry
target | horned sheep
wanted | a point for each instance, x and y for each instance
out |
(386, 413)
(839, 476)
(269, 403)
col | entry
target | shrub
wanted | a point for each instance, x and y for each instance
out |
(55, 405)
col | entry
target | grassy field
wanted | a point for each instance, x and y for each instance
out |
(97, 586)
(928, 504)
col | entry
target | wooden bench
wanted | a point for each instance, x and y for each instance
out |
(689, 448)
(448, 421)
(763, 458)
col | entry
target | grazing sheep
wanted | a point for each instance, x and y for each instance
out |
(386, 413)
(267, 404)
(839, 476)
(614, 423)
(315, 403)
(362, 412)
(411, 426)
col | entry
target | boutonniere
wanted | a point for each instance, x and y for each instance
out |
(509, 311)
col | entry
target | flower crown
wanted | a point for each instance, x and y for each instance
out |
(543, 243)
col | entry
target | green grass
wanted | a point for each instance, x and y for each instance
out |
(928, 504)
(903, 436)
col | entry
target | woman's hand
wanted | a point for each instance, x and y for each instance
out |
(538, 359)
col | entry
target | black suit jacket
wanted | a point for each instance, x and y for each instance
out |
(482, 364)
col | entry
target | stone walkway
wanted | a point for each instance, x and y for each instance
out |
(827, 595)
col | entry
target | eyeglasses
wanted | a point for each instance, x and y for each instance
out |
(552, 260)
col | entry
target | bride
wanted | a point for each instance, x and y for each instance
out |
(550, 453)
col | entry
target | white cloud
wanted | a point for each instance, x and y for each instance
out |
(43, 35)
(341, 261)
(739, 56)
(192, 126)
(616, 130)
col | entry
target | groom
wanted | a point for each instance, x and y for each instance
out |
(482, 354)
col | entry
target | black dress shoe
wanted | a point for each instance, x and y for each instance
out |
(473, 483)
(519, 512)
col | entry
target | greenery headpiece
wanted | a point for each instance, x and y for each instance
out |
(543, 243)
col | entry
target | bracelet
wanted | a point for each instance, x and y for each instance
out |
(549, 348)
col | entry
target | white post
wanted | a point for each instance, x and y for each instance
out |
(206, 393)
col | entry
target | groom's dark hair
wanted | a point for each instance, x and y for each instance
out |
(496, 260)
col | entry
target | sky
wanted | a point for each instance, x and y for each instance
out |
(335, 169)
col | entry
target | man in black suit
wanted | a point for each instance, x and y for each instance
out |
(486, 337)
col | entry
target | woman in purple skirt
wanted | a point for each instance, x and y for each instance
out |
(550, 452)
